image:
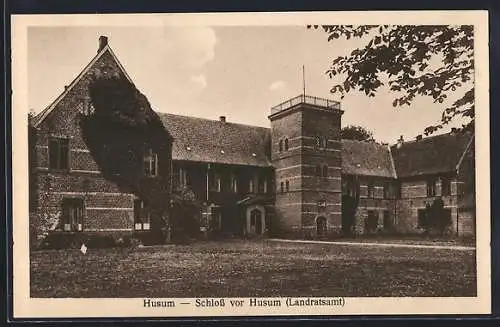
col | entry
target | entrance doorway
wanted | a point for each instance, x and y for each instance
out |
(256, 221)
(321, 226)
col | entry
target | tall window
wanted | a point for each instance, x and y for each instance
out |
(387, 220)
(142, 216)
(386, 190)
(234, 184)
(72, 214)
(317, 142)
(264, 185)
(182, 176)
(150, 163)
(286, 144)
(398, 190)
(282, 187)
(371, 189)
(324, 142)
(281, 145)
(287, 186)
(445, 186)
(218, 183)
(251, 186)
(325, 171)
(59, 153)
(431, 187)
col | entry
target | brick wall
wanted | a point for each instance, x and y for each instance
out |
(414, 197)
(107, 206)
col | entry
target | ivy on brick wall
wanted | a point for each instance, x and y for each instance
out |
(119, 131)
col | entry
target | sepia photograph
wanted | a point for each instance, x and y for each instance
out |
(224, 165)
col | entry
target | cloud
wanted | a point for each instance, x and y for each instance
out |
(277, 86)
(191, 47)
(200, 80)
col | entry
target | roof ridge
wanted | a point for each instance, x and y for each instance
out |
(211, 120)
(430, 137)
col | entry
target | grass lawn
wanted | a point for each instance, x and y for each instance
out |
(253, 268)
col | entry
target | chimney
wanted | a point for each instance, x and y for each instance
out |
(222, 119)
(400, 142)
(419, 137)
(103, 41)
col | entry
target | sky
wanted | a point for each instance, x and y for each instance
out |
(212, 71)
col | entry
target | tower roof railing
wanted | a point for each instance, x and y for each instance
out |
(330, 104)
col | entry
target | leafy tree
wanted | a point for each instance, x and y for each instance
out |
(357, 133)
(404, 56)
(186, 211)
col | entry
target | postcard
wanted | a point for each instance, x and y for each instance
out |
(251, 164)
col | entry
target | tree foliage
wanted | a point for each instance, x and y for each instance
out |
(357, 133)
(186, 211)
(405, 57)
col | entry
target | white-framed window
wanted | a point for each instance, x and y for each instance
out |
(72, 219)
(431, 187)
(150, 163)
(234, 184)
(371, 189)
(218, 183)
(142, 215)
(182, 177)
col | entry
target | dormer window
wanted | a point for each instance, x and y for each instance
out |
(150, 163)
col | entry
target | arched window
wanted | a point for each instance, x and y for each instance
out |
(281, 146)
(286, 144)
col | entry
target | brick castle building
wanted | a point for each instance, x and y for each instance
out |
(296, 177)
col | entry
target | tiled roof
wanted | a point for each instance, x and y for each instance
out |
(366, 158)
(204, 140)
(431, 155)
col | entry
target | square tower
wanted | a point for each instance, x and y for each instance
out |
(306, 153)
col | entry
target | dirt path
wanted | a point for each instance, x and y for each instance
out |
(400, 245)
